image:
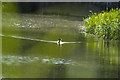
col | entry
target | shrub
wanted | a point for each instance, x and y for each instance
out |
(105, 24)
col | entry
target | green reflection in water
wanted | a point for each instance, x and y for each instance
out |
(24, 58)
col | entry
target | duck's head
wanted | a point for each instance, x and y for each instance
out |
(59, 39)
(59, 42)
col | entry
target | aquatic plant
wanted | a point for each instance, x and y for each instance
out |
(104, 25)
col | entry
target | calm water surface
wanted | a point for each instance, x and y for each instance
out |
(30, 49)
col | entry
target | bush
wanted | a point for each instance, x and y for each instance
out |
(105, 24)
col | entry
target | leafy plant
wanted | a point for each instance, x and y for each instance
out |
(105, 25)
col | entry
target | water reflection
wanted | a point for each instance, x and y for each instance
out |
(109, 59)
(58, 71)
(91, 60)
(30, 50)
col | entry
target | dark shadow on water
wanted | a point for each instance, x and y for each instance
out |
(58, 71)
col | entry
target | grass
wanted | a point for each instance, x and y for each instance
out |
(105, 25)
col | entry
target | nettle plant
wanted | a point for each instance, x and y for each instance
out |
(105, 25)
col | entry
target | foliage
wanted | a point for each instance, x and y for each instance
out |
(105, 25)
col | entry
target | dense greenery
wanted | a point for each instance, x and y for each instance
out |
(105, 25)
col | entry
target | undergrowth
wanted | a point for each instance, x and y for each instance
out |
(104, 25)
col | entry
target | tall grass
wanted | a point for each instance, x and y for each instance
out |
(104, 25)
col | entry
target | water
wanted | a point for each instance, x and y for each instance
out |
(30, 49)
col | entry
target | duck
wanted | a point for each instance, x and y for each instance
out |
(59, 41)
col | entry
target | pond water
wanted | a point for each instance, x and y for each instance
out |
(30, 49)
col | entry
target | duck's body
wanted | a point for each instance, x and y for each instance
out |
(59, 41)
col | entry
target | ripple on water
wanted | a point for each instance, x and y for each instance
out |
(27, 38)
(17, 60)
